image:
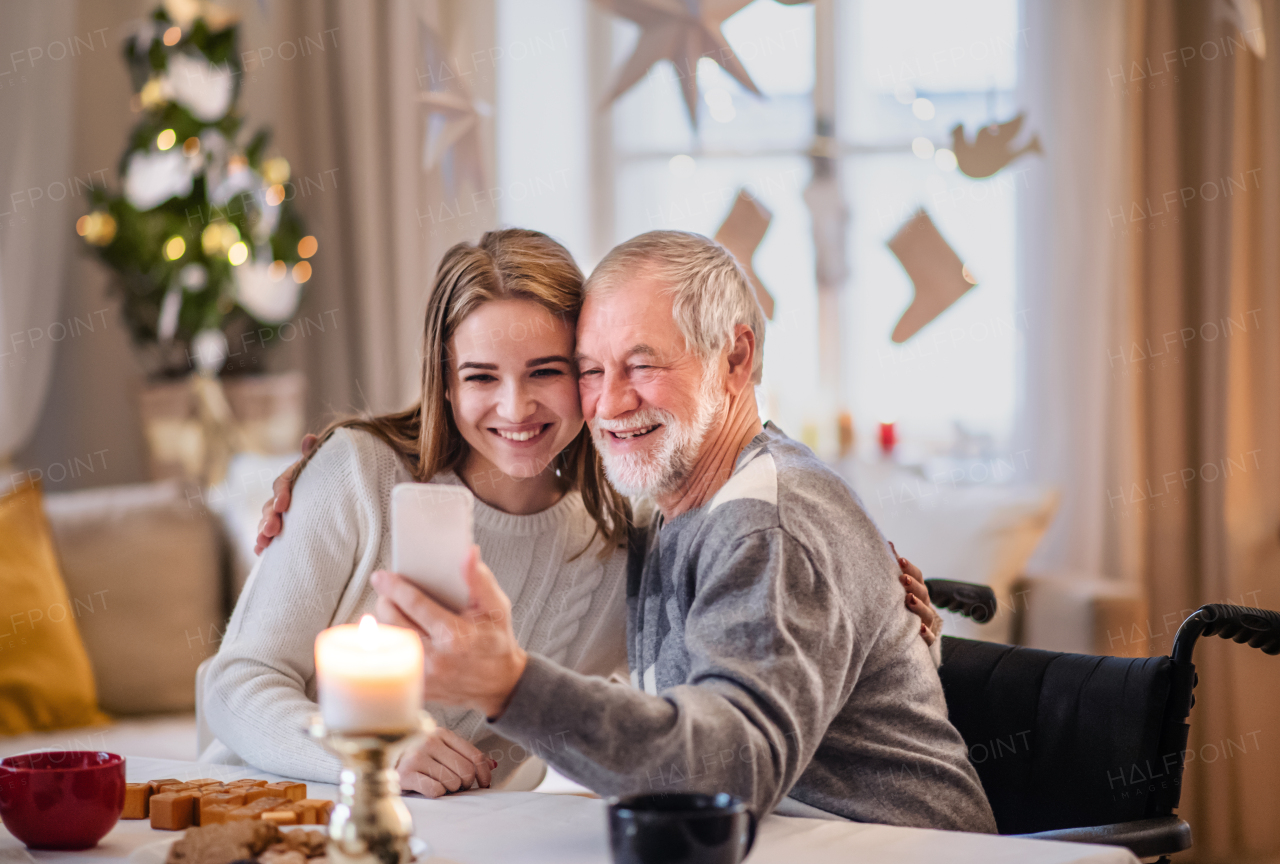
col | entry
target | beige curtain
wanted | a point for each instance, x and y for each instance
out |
(35, 164)
(349, 118)
(1202, 238)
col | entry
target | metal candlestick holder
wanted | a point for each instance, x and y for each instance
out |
(370, 824)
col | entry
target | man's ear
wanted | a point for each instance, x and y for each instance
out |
(742, 355)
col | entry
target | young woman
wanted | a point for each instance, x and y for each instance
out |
(499, 413)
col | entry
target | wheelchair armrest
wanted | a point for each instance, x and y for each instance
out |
(1260, 628)
(1145, 838)
(976, 601)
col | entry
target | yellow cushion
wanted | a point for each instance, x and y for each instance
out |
(45, 678)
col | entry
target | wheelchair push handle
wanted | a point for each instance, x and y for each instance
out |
(1259, 628)
(975, 601)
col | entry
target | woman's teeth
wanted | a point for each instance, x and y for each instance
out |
(520, 436)
(634, 432)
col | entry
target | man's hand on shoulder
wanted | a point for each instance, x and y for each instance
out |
(272, 522)
(918, 599)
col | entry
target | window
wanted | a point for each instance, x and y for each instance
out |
(880, 58)
(962, 58)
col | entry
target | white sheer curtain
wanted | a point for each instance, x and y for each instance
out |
(36, 225)
(1069, 272)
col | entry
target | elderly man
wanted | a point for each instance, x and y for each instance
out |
(768, 644)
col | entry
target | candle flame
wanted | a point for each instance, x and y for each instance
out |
(368, 631)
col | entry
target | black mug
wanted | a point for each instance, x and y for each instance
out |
(685, 828)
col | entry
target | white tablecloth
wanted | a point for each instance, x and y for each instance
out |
(534, 827)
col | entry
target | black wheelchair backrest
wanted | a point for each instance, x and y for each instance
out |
(1061, 740)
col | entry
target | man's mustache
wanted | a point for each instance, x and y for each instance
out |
(647, 417)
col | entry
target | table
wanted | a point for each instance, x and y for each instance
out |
(538, 828)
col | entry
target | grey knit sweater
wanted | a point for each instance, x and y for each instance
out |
(772, 656)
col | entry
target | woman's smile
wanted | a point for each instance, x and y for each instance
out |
(527, 435)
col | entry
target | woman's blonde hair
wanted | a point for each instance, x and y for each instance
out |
(512, 264)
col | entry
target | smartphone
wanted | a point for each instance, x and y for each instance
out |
(430, 537)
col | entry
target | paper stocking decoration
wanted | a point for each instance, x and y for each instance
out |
(939, 276)
(740, 233)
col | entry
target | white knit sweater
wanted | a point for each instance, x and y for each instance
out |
(261, 688)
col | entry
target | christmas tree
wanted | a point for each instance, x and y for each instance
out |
(203, 241)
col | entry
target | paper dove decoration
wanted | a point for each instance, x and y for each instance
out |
(1246, 15)
(681, 31)
(939, 276)
(453, 116)
(741, 233)
(991, 149)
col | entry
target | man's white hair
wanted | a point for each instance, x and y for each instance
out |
(712, 293)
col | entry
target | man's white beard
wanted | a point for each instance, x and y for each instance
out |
(661, 471)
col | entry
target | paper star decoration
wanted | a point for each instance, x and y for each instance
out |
(453, 116)
(682, 32)
(939, 276)
(740, 233)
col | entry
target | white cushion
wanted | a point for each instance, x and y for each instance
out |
(143, 566)
(981, 533)
(238, 501)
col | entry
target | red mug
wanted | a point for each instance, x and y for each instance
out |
(61, 799)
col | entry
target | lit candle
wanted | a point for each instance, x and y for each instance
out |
(369, 677)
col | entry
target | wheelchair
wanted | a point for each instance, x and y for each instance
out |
(1078, 747)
